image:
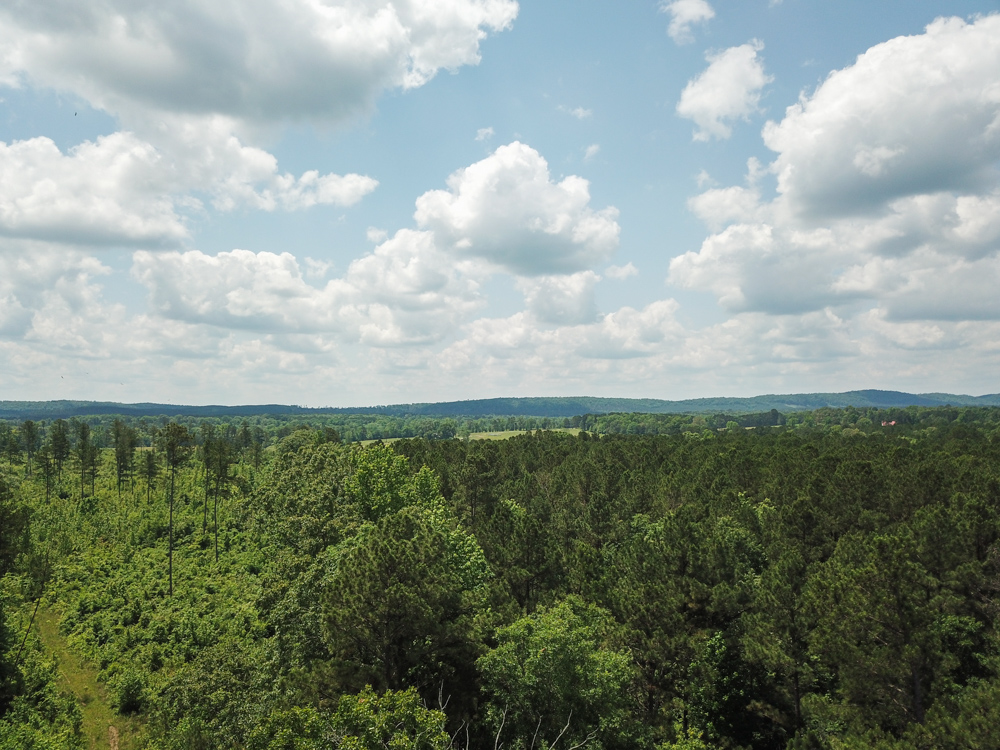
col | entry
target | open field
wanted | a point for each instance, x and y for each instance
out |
(507, 434)
(502, 435)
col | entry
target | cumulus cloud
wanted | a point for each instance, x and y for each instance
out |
(518, 346)
(507, 210)
(502, 213)
(591, 151)
(408, 291)
(106, 191)
(721, 206)
(748, 268)
(312, 189)
(193, 85)
(561, 300)
(921, 258)
(258, 61)
(683, 15)
(405, 291)
(728, 90)
(580, 113)
(484, 134)
(53, 301)
(119, 189)
(913, 115)
(888, 194)
(237, 289)
(620, 273)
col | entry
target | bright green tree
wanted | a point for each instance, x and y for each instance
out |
(560, 675)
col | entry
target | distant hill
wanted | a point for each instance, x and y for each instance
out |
(533, 407)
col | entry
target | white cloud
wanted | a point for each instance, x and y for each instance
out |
(53, 301)
(408, 291)
(65, 327)
(507, 210)
(405, 291)
(28, 281)
(376, 235)
(237, 289)
(888, 195)
(561, 300)
(313, 189)
(317, 269)
(257, 61)
(119, 189)
(503, 212)
(517, 348)
(112, 190)
(913, 115)
(683, 15)
(932, 256)
(580, 113)
(591, 151)
(728, 90)
(192, 85)
(703, 178)
(484, 134)
(754, 267)
(721, 206)
(620, 273)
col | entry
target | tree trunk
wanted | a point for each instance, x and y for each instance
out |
(170, 547)
(918, 694)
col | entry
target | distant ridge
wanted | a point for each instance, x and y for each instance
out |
(528, 407)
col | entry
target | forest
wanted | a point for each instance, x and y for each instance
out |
(823, 579)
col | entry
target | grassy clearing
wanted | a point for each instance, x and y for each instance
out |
(508, 434)
(503, 435)
(386, 441)
(100, 723)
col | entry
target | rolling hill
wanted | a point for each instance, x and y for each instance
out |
(535, 407)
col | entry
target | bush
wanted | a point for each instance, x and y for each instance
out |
(130, 692)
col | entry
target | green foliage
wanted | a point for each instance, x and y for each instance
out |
(39, 717)
(129, 688)
(394, 720)
(817, 581)
(560, 673)
(398, 606)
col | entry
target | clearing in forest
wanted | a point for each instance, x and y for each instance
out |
(102, 728)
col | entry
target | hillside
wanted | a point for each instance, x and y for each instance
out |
(535, 407)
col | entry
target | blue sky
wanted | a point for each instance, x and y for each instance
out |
(377, 201)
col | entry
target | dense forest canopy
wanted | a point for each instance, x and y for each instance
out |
(825, 579)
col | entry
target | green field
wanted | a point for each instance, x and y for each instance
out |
(507, 434)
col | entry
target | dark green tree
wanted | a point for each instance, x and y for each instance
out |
(84, 450)
(30, 439)
(150, 469)
(222, 455)
(206, 451)
(59, 437)
(47, 464)
(13, 541)
(125, 441)
(175, 442)
(399, 606)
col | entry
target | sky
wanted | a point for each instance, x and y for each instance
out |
(357, 202)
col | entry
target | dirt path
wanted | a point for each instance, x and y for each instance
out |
(102, 728)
